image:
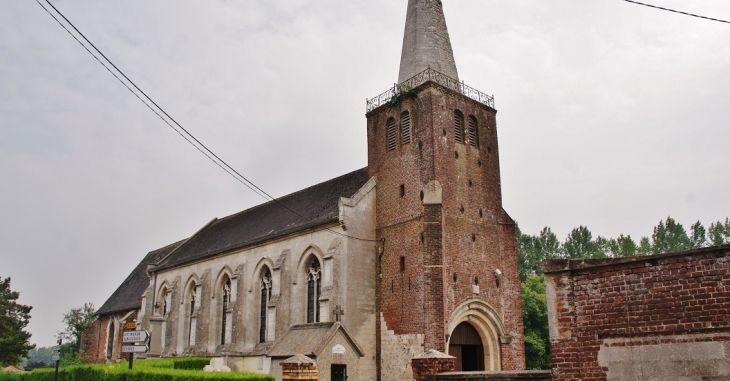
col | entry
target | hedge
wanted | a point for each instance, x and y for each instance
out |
(144, 370)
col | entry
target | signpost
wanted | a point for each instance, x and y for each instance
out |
(56, 356)
(138, 339)
(135, 348)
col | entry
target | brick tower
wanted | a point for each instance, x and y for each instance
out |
(448, 277)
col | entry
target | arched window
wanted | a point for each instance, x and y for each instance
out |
(110, 339)
(164, 302)
(473, 131)
(265, 297)
(391, 133)
(458, 126)
(224, 308)
(405, 127)
(191, 312)
(314, 290)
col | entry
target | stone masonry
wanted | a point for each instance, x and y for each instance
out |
(426, 41)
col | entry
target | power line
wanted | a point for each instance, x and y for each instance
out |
(675, 11)
(185, 134)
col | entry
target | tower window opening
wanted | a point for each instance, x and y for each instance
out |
(458, 126)
(402, 264)
(402, 190)
(405, 126)
(391, 134)
(473, 132)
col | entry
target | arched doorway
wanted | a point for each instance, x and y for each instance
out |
(466, 345)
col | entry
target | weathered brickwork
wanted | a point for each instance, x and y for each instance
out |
(95, 341)
(437, 256)
(664, 316)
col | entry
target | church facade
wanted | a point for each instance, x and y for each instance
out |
(364, 272)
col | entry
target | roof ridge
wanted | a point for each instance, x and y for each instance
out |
(279, 199)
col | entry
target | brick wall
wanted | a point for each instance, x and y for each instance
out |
(450, 246)
(651, 317)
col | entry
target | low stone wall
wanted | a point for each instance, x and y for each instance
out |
(532, 375)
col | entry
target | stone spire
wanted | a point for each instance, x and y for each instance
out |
(426, 41)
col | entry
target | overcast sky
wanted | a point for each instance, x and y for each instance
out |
(610, 115)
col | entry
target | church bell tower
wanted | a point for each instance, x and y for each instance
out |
(447, 274)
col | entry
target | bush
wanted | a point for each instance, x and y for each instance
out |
(191, 363)
(144, 370)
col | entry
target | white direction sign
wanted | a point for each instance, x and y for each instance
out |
(135, 348)
(135, 336)
(56, 348)
(55, 357)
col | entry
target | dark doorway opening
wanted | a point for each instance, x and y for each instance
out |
(339, 372)
(466, 345)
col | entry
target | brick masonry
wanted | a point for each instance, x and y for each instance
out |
(450, 249)
(664, 316)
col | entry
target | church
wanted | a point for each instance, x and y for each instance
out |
(411, 256)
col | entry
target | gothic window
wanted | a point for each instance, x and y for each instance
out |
(314, 290)
(110, 339)
(191, 337)
(265, 297)
(458, 126)
(405, 127)
(391, 133)
(225, 300)
(473, 131)
(164, 302)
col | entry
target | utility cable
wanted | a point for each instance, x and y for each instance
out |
(204, 150)
(675, 11)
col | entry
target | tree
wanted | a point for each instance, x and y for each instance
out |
(719, 233)
(698, 235)
(580, 244)
(548, 245)
(670, 237)
(14, 317)
(528, 255)
(645, 247)
(626, 247)
(534, 316)
(77, 321)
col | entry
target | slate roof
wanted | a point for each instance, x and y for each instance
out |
(309, 340)
(314, 206)
(129, 294)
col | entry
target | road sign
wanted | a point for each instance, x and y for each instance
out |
(55, 357)
(56, 348)
(131, 325)
(135, 348)
(135, 336)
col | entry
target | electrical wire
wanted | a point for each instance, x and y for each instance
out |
(185, 134)
(675, 11)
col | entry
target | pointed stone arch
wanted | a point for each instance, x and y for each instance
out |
(223, 298)
(487, 323)
(315, 308)
(190, 303)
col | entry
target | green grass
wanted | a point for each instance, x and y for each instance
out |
(182, 369)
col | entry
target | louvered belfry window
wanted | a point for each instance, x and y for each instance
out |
(405, 127)
(391, 134)
(458, 126)
(473, 132)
